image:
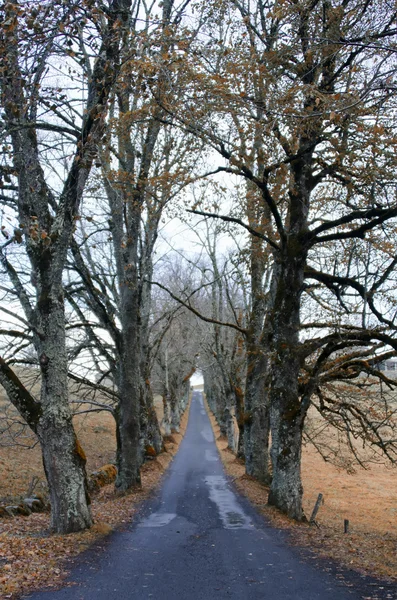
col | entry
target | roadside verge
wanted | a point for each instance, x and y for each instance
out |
(32, 559)
(370, 553)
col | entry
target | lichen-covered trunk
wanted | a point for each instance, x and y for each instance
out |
(185, 396)
(153, 435)
(257, 422)
(286, 414)
(240, 452)
(215, 398)
(63, 457)
(64, 466)
(240, 417)
(286, 489)
(151, 438)
(167, 413)
(129, 455)
(221, 414)
(256, 401)
(230, 432)
(175, 414)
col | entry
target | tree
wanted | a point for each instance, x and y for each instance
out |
(310, 85)
(46, 217)
(223, 348)
(144, 165)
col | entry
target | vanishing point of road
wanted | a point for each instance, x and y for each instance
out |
(200, 540)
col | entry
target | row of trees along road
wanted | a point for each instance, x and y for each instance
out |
(110, 112)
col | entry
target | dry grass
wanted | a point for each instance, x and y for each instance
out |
(367, 498)
(30, 558)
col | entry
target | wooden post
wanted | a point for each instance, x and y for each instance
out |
(315, 509)
(346, 526)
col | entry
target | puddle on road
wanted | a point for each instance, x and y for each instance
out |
(211, 456)
(157, 520)
(230, 512)
(207, 434)
(235, 518)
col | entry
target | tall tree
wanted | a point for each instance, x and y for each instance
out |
(32, 39)
(327, 151)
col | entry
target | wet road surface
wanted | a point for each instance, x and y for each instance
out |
(199, 540)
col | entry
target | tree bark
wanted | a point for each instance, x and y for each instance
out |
(240, 417)
(286, 489)
(257, 403)
(175, 413)
(129, 459)
(286, 410)
(151, 437)
(48, 227)
(257, 423)
(167, 413)
(229, 422)
(63, 458)
(64, 466)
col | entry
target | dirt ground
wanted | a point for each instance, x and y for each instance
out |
(367, 498)
(31, 558)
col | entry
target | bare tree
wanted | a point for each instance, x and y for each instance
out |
(304, 82)
(31, 41)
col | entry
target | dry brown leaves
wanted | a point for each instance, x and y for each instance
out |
(31, 558)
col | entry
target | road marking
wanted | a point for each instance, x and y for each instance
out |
(230, 512)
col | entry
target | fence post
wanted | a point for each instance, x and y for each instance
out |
(315, 509)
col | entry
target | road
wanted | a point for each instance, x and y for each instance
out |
(199, 540)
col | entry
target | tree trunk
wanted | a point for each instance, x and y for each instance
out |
(240, 453)
(257, 403)
(229, 421)
(167, 414)
(152, 440)
(129, 455)
(63, 457)
(286, 489)
(185, 397)
(221, 416)
(175, 414)
(64, 466)
(256, 417)
(154, 437)
(240, 417)
(287, 414)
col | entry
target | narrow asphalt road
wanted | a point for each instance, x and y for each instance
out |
(200, 540)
